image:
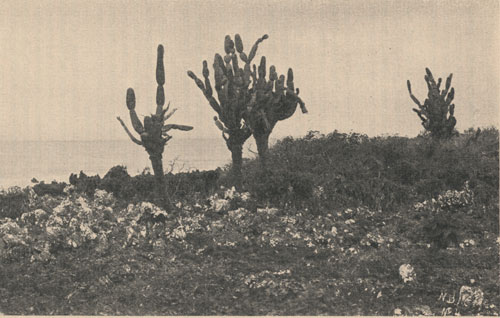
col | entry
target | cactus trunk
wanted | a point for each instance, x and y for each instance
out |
(237, 158)
(156, 162)
(262, 141)
(235, 143)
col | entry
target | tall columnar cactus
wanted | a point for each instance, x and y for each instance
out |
(154, 132)
(437, 112)
(248, 103)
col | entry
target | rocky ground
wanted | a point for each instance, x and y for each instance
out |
(229, 255)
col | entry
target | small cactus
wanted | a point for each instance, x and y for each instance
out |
(437, 112)
(154, 131)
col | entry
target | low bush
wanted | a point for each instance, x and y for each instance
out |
(13, 202)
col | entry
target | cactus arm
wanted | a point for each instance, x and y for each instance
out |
(136, 123)
(160, 80)
(211, 100)
(439, 83)
(450, 96)
(452, 109)
(303, 108)
(420, 115)
(220, 125)
(447, 86)
(130, 101)
(253, 51)
(160, 100)
(166, 138)
(169, 114)
(164, 111)
(413, 98)
(174, 126)
(128, 132)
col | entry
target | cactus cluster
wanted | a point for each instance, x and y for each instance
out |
(154, 131)
(248, 103)
(437, 112)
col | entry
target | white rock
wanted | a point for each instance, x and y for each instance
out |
(245, 196)
(270, 211)
(9, 227)
(179, 233)
(220, 205)
(69, 189)
(407, 273)
(230, 193)
(334, 231)
(13, 240)
(103, 197)
(422, 310)
(83, 204)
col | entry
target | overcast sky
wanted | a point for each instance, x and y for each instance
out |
(65, 65)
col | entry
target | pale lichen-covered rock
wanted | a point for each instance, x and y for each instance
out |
(42, 253)
(69, 189)
(150, 208)
(334, 231)
(104, 198)
(418, 310)
(237, 214)
(10, 227)
(12, 240)
(245, 196)
(34, 217)
(407, 273)
(83, 205)
(179, 233)
(230, 194)
(318, 192)
(219, 205)
(268, 211)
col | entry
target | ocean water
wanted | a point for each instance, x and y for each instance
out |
(20, 161)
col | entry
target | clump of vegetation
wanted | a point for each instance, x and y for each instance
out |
(13, 202)
(437, 112)
(154, 131)
(380, 172)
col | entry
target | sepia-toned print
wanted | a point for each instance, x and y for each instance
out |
(237, 158)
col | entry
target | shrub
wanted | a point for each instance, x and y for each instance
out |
(53, 189)
(13, 202)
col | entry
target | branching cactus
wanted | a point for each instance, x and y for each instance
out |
(154, 131)
(234, 95)
(437, 112)
(248, 103)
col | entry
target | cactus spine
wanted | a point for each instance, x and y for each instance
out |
(437, 112)
(154, 132)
